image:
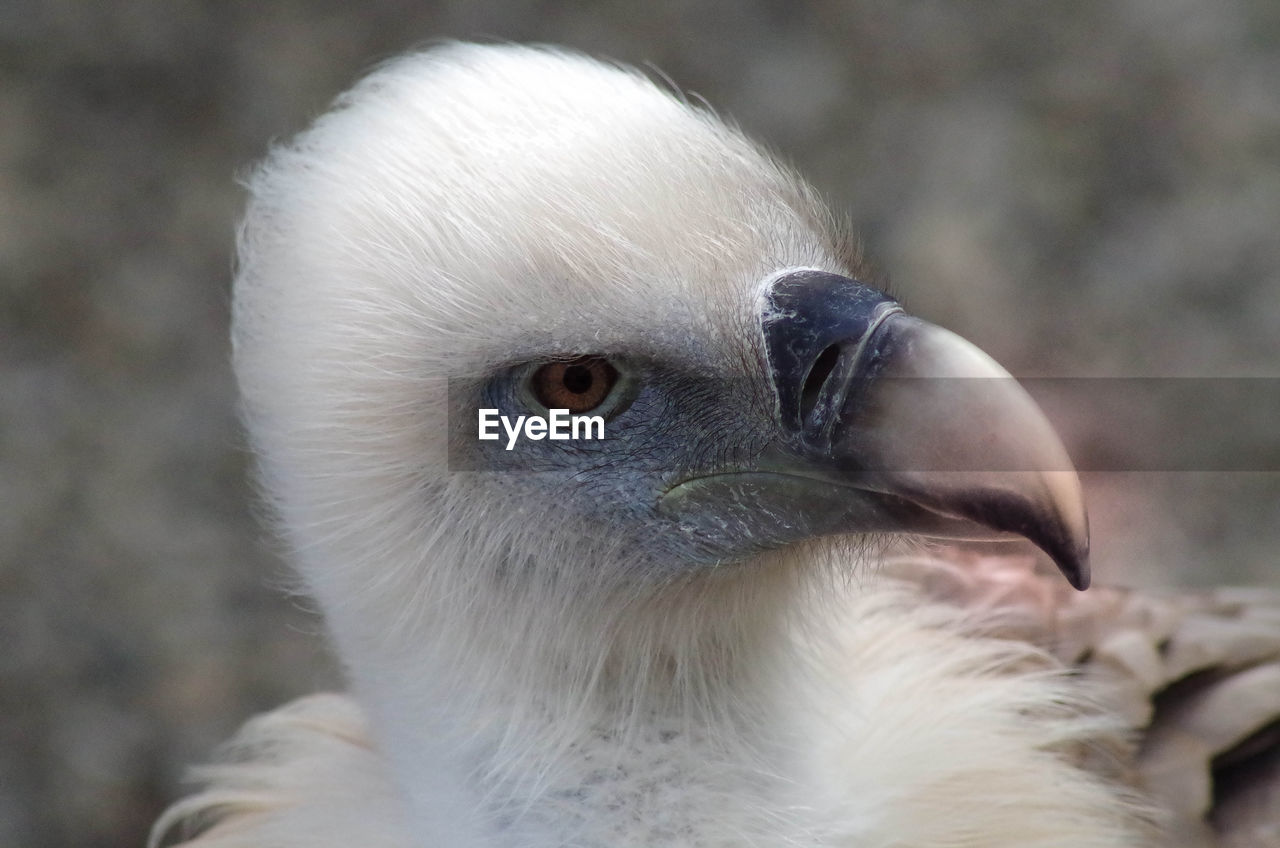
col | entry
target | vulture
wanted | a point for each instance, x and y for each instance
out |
(693, 621)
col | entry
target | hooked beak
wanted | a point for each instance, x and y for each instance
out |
(892, 424)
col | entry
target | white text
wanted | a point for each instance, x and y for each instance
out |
(559, 425)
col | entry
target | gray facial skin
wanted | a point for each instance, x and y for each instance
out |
(862, 419)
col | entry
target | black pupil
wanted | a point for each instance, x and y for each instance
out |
(577, 379)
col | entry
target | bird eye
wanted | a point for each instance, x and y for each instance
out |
(578, 385)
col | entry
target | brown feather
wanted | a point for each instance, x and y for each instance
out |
(1195, 673)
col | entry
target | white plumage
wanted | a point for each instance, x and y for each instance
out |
(531, 663)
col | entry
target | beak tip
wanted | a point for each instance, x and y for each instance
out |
(1078, 576)
(1075, 566)
(1073, 561)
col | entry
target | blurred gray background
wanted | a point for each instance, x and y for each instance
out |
(1083, 189)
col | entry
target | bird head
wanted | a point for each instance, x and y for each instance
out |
(520, 229)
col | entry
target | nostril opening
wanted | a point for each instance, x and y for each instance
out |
(818, 374)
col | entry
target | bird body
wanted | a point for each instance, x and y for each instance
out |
(680, 634)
